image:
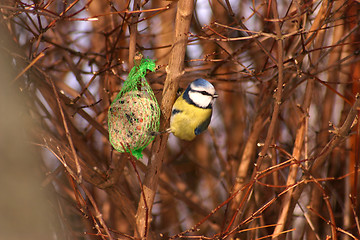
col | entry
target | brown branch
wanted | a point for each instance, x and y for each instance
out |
(340, 134)
(67, 132)
(174, 70)
(289, 200)
(133, 33)
(216, 186)
(98, 214)
(279, 89)
(245, 163)
(273, 122)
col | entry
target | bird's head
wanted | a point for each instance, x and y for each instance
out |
(200, 93)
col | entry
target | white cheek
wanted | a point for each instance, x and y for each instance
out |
(200, 99)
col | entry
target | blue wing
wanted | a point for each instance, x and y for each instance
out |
(203, 126)
(175, 111)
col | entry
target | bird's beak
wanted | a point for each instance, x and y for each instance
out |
(215, 95)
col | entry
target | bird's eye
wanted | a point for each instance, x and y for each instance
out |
(205, 93)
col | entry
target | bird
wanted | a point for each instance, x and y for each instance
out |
(192, 110)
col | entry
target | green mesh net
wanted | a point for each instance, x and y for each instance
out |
(134, 115)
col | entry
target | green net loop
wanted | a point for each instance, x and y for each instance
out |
(134, 115)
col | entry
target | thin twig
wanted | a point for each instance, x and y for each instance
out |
(67, 132)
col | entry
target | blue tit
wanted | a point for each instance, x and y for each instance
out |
(191, 113)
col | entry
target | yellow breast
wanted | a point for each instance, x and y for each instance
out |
(184, 123)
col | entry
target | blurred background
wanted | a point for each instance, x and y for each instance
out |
(279, 159)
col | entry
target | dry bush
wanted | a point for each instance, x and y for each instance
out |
(270, 165)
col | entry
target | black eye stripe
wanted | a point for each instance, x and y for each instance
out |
(202, 92)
